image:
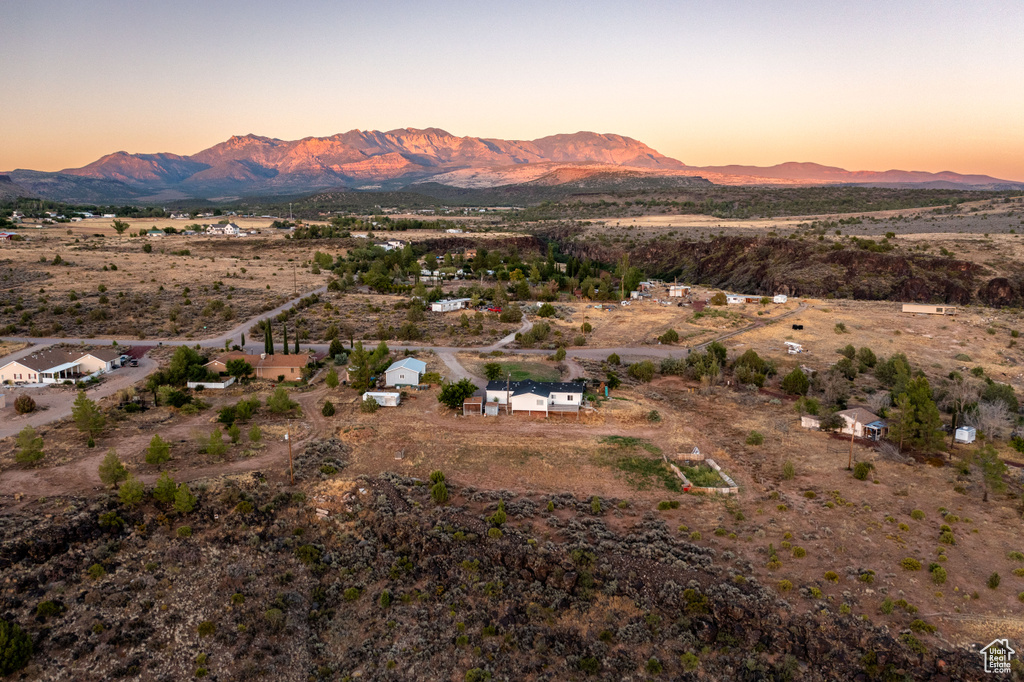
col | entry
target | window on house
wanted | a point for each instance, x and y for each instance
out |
(540, 401)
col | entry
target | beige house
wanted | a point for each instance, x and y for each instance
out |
(270, 367)
(857, 422)
(56, 365)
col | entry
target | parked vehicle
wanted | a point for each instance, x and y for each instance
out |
(494, 309)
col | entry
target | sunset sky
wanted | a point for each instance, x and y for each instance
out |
(871, 85)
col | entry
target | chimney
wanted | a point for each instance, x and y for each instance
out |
(263, 356)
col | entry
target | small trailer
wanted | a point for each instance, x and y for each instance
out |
(384, 398)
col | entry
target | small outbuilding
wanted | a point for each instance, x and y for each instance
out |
(384, 399)
(965, 434)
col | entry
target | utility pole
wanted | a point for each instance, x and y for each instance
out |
(291, 466)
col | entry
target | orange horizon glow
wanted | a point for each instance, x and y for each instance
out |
(867, 87)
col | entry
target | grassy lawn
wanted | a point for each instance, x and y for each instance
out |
(704, 476)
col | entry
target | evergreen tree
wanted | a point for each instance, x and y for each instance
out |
(184, 500)
(159, 450)
(284, 345)
(131, 491)
(242, 344)
(796, 382)
(111, 469)
(268, 340)
(88, 418)
(165, 488)
(30, 446)
(920, 421)
(992, 469)
(296, 343)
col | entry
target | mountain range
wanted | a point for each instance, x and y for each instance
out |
(374, 160)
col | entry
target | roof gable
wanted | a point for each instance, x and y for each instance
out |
(410, 364)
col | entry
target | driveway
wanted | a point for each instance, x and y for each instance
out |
(54, 402)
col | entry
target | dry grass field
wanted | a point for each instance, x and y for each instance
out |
(186, 286)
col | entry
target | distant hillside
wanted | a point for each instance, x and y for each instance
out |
(252, 165)
(11, 190)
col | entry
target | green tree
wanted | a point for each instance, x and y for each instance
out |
(279, 402)
(255, 434)
(131, 491)
(239, 368)
(15, 648)
(186, 365)
(120, 226)
(336, 348)
(234, 433)
(454, 394)
(546, 310)
(920, 421)
(492, 370)
(642, 371)
(184, 500)
(88, 418)
(215, 445)
(165, 488)
(30, 446)
(284, 344)
(332, 378)
(992, 470)
(268, 339)
(796, 382)
(159, 450)
(360, 369)
(1002, 392)
(111, 470)
(328, 409)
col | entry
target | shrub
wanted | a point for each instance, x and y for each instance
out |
(718, 299)
(439, 493)
(993, 581)
(799, 552)
(595, 505)
(653, 666)
(1015, 556)
(689, 661)
(910, 564)
(788, 470)
(15, 647)
(328, 409)
(206, 628)
(887, 606)
(494, 533)
(831, 576)
(96, 571)
(642, 371)
(351, 594)
(654, 416)
(938, 575)
(755, 438)
(785, 586)
(613, 359)
(796, 382)
(255, 434)
(917, 515)
(385, 599)
(279, 402)
(861, 470)
(185, 531)
(671, 336)
(477, 675)
(918, 625)
(24, 404)
(546, 310)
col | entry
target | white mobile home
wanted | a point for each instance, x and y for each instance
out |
(535, 396)
(450, 305)
(929, 309)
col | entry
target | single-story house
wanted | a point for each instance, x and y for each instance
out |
(155, 233)
(535, 396)
(383, 398)
(929, 309)
(678, 290)
(227, 229)
(857, 421)
(7, 236)
(450, 305)
(780, 298)
(405, 372)
(735, 299)
(55, 365)
(271, 367)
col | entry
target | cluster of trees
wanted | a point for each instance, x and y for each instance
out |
(364, 365)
